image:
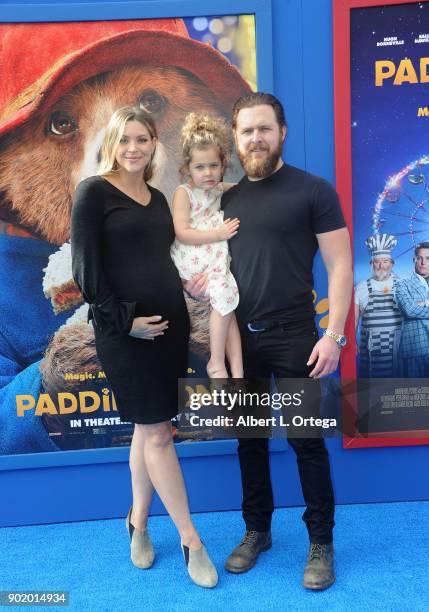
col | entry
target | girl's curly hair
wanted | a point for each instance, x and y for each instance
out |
(200, 131)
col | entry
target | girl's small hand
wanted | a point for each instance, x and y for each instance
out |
(147, 328)
(228, 229)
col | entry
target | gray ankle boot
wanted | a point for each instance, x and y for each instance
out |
(200, 568)
(142, 553)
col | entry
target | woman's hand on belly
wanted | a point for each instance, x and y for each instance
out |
(147, 328)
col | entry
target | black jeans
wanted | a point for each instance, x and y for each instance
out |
(284, 352)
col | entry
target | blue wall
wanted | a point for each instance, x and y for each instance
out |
(303, 80)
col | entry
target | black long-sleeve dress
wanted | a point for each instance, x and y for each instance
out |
(121, 263)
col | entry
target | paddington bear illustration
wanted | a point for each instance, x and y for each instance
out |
(60, 85)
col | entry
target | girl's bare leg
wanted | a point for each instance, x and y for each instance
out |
(233, 349)
(219, 326)
(165, 474)
(141, 484)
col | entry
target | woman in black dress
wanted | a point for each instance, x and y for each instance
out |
(121, 233)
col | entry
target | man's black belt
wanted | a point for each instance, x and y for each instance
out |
(263, 325)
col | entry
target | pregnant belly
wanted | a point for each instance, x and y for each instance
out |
(165, 299)
(150, 288)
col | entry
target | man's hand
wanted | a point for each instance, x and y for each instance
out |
(196, 287)
(147, 328)
(325, 354)
(228, 229)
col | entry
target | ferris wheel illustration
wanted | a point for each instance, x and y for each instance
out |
(404, 203)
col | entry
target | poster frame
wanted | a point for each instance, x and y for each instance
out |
(344, 174)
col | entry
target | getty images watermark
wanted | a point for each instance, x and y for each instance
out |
(304, 407)
(238, 399)
(252, 408)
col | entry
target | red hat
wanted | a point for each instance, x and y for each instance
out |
(42, 61)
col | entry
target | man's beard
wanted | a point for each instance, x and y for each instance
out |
(259, 168)
(381, 276)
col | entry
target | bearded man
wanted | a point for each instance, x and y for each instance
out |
(380, 317)
(285, 215)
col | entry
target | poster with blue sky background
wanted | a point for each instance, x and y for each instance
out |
(390, 128)
(389, 85)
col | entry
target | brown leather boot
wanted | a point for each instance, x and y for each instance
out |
(319, 571)
(245, 555)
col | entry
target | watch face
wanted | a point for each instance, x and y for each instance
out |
(342, 341)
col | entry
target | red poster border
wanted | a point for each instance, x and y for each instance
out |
(343, 168)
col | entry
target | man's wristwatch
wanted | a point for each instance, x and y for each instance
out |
(339, 338)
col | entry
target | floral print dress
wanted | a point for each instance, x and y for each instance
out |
(211, 258)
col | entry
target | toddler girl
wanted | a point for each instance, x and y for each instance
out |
(202, 234)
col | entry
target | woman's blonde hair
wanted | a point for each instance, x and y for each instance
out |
(201, 131)
(112, 138)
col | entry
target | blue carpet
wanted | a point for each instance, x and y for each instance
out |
(382, 563)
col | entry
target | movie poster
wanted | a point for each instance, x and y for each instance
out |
(389, 80)
(60, 84)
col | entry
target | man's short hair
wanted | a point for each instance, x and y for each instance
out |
(422, 245)
(256, 99)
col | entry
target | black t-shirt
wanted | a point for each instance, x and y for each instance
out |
(273, 252)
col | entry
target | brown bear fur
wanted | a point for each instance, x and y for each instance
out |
(72, 350)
